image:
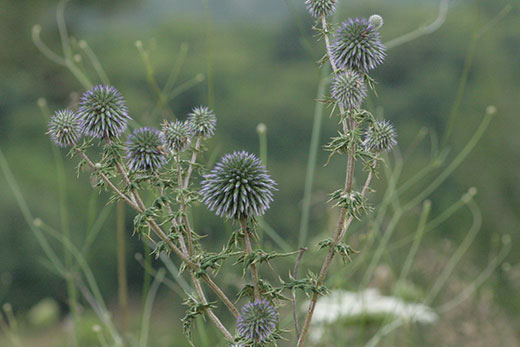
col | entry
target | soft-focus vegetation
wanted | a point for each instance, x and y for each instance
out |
(256, 63)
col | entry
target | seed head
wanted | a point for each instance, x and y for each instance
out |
(380, 137)
(257, 320)
(64, 128)
(144, 150)
(348, 89)
(176, 135)
(239, 186)
(103, 112)
(357, 45)
(202, 121)
(318, 8)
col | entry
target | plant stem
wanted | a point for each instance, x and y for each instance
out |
(249, 251)
(342, 224)
(121, 265)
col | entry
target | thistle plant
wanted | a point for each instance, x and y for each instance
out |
(238, 188)
(157, 181)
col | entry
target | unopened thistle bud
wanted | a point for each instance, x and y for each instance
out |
(318, 8)
(176, 135)
(239, 186)
(64, 128)
(145, 150)
(380, 137)
(103, 112)
(348, 89)
(202, 121)
(357, 45)
(376, 21)
(257, 320)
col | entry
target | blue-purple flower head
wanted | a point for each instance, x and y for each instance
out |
(348, 89)
(357, 45)
(177, 135)
(64, 128)
(318, 8)
(145, 151)
(257, 320)
(381, 136)
(202, 121)
(103, 112)
(239, 186)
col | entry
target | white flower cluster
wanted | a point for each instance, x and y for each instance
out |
(347, 305)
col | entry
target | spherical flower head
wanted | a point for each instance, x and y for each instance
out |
(202, 121)
(376, 21)
(380, 137)
(176, 135)
(64, 128)
(103, 112)
(348, 89)
(318, 8)
(257, 320)
(239, 186)
(357, 45)
(144, 150)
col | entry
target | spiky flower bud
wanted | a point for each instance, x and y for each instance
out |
(318, 8)
(239, 186)
(380, 137)
(103, 112)
(357, 45)
(348, 89)
(257, 320)
(176, 135)
(202, 121)
(144, 150)
(64, 128)
(376, 21)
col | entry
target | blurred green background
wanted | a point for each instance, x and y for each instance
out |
(258, 63)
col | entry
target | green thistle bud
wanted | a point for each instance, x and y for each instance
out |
(144, 150)
(239, 186)
(349, 90)
(318, 8)
(202, 121)
(176, 135)
(64, 128)
(380, 137)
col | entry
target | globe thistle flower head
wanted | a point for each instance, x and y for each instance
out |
(176, 135)
(376, 21)
(257, 320)
(318, 8)
(380, 137)
(202, 121)
(64, 128)
(144, 150)
(348, 89)
(357, 45)
(239, 186)
(103, 112)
